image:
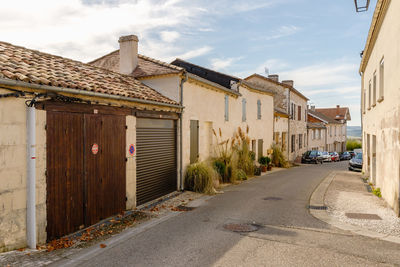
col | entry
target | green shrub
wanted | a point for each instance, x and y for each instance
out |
(278, 159)
(252, 155)
(220, 167)
(240, 175)
(264, 160)
(353, 144)
(199, 177)
(377, 192)
(257, 170)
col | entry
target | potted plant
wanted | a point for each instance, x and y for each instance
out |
(263, 162)
(269, 165)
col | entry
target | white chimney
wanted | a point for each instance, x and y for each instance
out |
(274, 77)
(288, 82)
(313, 108)
(128, 53)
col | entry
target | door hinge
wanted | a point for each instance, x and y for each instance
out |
(126, 159)
(126, 127)
(126, 199)
(45, 173)
(45, 127)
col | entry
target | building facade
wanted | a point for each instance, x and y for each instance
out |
(290, 101)
(380, 104)
(68, 138)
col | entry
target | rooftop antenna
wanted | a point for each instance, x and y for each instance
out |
(266, 70)
(361, 5)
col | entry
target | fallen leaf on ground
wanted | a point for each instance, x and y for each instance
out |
(103, 245)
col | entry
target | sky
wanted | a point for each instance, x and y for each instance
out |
(315, 43)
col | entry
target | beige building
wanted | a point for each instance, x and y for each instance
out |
(316, 132)
(293, 103)
(335, 134)
(211, 100)
(63, 122)
(379, 69)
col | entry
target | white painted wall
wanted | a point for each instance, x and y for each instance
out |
(382, 120)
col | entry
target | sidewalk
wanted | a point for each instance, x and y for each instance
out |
(351, 207)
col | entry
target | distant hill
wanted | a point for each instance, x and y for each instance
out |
(354, 131)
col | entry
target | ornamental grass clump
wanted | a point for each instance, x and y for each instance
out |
(200, 178)
(241, 147)
(223, 162)
(277, 157)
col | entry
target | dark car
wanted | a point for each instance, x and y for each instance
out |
(355, 164)
(312, 156)
(334, 156)
(345, 156)
(352, 154)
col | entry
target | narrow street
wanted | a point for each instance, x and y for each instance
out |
(287, 234)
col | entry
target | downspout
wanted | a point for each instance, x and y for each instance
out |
(31, 176)
(183, 80)
(289, 137)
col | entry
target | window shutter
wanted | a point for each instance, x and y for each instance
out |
(259, 109)
(226, 108)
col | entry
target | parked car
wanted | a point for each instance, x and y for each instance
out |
(352, 154)
(326, 157)
(345, 156)
(355, 164)
(312, 156)
(334, 156)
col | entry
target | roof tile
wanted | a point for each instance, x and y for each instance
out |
(19, 63)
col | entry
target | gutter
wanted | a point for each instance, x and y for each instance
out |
(84, 92)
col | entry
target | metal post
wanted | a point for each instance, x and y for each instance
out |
(31, 179)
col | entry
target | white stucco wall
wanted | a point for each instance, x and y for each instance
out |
(131, 163)
(281, 126)
(316, 140)
(166, 85)
(382, 120)
(208, 107)
(13, 173)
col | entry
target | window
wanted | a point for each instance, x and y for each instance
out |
(259, 109)
(381, 80)
(293, 142)
(305, 115)
(313, 134)
(300, 140)
(330, 130)
(243, 109)
(226, 108)
(369, 95)
(299, 115)
(293, 111)
(374, 90)
(305, 139)
(316, 134)
(322, 133)
(335, 130)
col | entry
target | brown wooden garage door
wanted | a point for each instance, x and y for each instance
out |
(156, 164)
(83, 187)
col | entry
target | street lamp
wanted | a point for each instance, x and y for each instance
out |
(361, 5)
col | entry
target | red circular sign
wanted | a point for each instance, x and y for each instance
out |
(95, 149)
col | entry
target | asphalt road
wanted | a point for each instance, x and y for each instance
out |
(288, 235)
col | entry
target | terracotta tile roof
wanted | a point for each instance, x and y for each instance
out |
(19, 63)
(321, 116)
(337, 113)
(147, 66)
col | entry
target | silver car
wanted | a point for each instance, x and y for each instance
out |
(326, 157)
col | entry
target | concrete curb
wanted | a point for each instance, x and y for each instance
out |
(318, 199)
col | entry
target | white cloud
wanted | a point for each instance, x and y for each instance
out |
(169, 36)
(282, 31)
(325, 74)
(195, 53)
(82, 31)
(223, 63)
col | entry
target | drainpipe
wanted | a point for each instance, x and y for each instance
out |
(289, 137)
(31, 177)
(183, 80)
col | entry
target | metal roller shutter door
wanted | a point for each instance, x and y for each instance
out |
(156, 160)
